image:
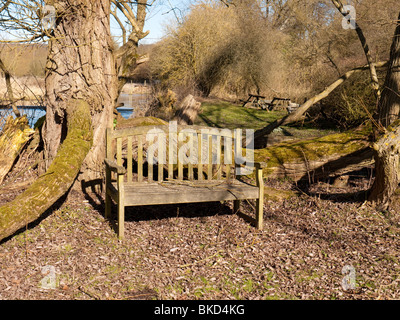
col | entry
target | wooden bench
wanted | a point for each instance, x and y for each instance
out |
(196, 165)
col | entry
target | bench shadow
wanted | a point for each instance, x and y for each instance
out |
(343, 194)
(185, 210)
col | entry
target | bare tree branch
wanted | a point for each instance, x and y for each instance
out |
(374, 77)
(296, 116)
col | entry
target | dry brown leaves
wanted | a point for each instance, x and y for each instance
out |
(202, 251)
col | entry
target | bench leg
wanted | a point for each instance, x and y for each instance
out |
(236, 206)
(108, 206)
(260, 213)
(121, 220)
(260, 200)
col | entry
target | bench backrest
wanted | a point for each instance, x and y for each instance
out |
(158, 153)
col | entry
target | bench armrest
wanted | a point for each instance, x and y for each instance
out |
(257, 165)
(260, 165)
(113, 166)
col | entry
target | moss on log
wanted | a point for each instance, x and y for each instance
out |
(48, 188)
(330, 155)
(139, 121)
(16, 133)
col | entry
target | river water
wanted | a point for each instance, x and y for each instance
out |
(33, 113)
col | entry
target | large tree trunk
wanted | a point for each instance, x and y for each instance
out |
(81, 90)
(81, 66)
(387, 170)
(387, 154)
(389, 105)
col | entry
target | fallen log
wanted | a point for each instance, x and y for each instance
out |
(329, 156)
(16, 133)
(58, 179)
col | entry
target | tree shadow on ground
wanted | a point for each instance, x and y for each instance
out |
(356, 189)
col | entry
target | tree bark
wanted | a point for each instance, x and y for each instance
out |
(387, 176)
(15, 134)
(389, 105)
(387, 170)
(80, 66)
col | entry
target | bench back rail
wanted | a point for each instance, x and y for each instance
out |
(157, 154)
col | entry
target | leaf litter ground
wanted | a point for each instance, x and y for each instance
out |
(203, 251)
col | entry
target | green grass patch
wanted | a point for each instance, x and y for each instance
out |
(231, 116)
(222, 114)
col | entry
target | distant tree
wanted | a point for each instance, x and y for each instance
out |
(84, 73)
(387, 146)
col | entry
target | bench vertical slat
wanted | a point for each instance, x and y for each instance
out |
(170, 168)
(161, 159)
(237, 153)
(200, 157)
(260, 200)
(129, 159)
(119, 151)
(109, 148)
(228, 157)
(140, 158)
(219, 158)
(149, 167)
(210, 153)
(191, 155)
(180, 164)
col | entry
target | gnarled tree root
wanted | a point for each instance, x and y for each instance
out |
(48, 188)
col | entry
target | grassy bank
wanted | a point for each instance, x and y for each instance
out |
(228, 115)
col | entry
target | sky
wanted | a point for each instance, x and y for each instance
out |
(159, 15)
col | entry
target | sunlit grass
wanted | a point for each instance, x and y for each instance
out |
(227, 115)
(231, 116)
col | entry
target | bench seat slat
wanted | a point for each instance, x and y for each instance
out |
(155, 193)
